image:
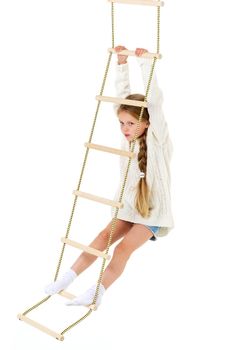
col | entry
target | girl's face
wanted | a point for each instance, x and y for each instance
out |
(129, 125)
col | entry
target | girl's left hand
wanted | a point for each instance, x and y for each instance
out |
(140, 51)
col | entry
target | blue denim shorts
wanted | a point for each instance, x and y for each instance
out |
(154, 230)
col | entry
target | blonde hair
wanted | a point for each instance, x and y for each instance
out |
(142, 193)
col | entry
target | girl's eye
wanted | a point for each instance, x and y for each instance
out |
(129, 123)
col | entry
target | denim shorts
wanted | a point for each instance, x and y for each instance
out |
(153, 229)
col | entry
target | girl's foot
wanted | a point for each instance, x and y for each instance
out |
(86, 298)
(61, 284)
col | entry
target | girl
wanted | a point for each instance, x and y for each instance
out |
(146, 213)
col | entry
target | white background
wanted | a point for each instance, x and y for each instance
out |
(176, 293)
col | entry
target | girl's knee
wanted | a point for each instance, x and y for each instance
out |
(123, 249)
(104, 235)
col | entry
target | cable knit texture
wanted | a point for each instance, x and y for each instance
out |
(159, 152)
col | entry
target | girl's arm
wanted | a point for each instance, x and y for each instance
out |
(154, 101)
(122, 83)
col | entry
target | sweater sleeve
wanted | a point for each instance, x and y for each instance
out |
(122, 83)
(154, 100)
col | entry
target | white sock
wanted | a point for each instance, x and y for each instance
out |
(87, 297)
(61, 283)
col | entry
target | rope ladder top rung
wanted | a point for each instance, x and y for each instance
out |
(139, 2)
(98, 199)
(124, 101)
(87, 249)
(132, 53)
(110, 150)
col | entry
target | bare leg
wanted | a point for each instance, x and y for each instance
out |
(86, 259)
(136, 236)
(100, 243)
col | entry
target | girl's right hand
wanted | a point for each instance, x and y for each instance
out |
(122, 59)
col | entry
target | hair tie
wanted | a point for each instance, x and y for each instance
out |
(142, 175)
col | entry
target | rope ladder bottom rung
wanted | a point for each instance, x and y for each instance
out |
(39, 326)
(86, 248)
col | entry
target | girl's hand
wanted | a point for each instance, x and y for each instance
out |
(122, 59)
(140, 51)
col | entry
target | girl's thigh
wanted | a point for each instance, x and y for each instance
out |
(136, 236)
(121, 228)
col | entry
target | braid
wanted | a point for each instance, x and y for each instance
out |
(142, 155)
(142, 196)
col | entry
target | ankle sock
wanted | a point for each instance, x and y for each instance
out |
(86, 298)
(61, 283)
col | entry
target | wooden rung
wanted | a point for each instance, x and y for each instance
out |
(140, 2)
(67, 295)
(110, 150)
(70, 296)
(132, 53)
(87, 249)
(40, 327)
(98, 199)
(92, 306)
(124, 101)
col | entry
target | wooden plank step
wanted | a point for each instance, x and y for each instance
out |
(40, 327)
(139, 2)
(132, 53)
(87, 249)
(67, 295)
(124, 101)
(70, 296)
(98, 199)
(110, 150)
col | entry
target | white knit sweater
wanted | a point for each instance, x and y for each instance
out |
(159, 152)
